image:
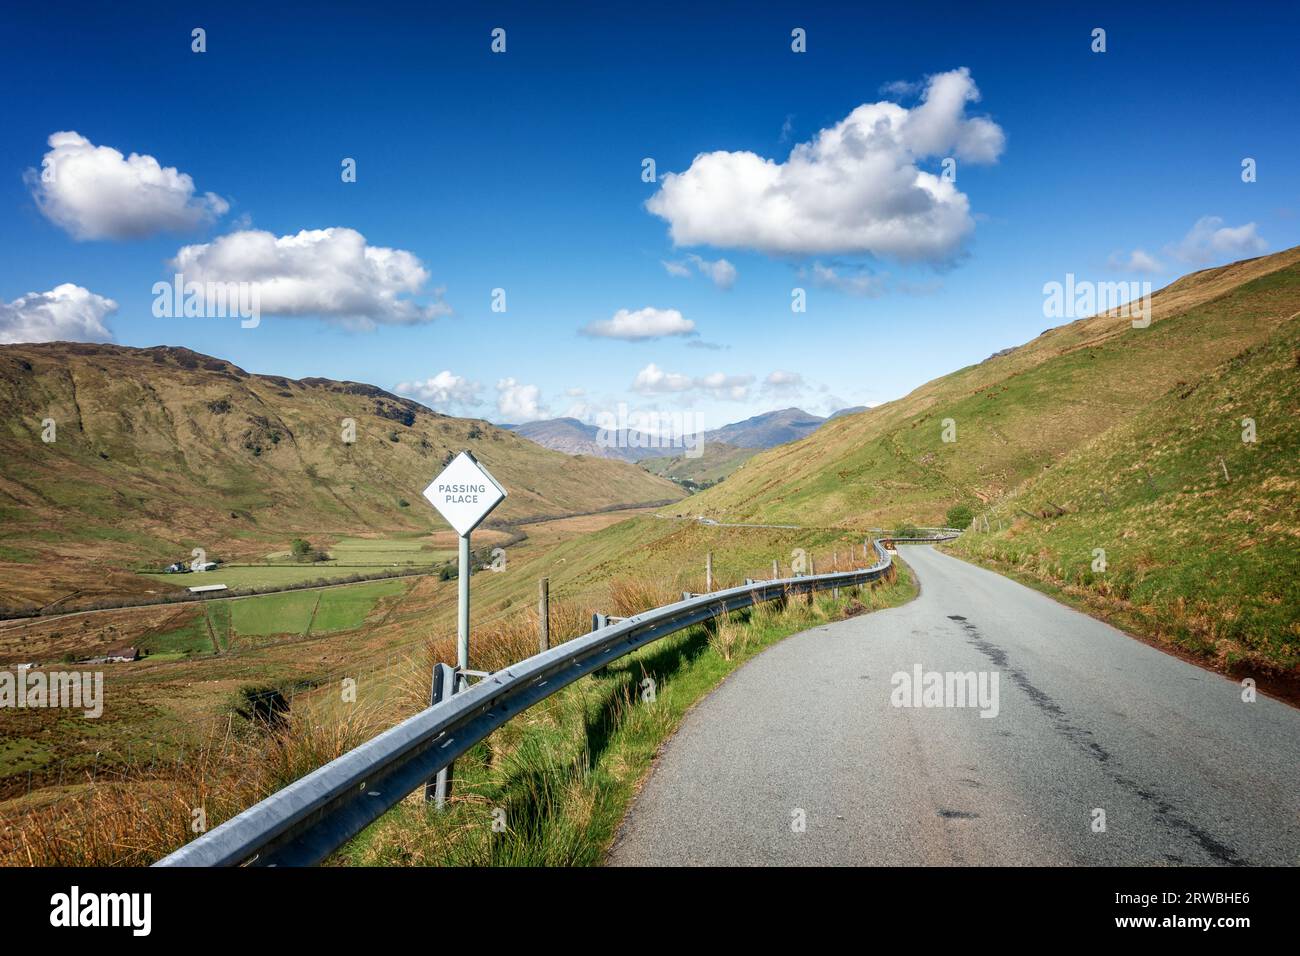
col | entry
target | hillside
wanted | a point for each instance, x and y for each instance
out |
(1016, 414)
(1200, 529)
(715, 462)
(161, 450)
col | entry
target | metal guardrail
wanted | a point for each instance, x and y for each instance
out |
(312, 817)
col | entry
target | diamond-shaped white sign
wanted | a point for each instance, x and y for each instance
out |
(464, 493)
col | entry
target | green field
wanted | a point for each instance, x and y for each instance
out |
(293, 612)
(348, 556)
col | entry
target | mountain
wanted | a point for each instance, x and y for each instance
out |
(849, 411)
(767, 430)
(563, 434)
(574, 437)
(156, 451)
(1013, 415)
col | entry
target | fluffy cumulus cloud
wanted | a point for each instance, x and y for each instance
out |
(518, 402)
(332, 273)
(856, 187)
(652, 380)
(1209, 240)
(94, 192)
(643, 324)
(443, 391)
(67, 313)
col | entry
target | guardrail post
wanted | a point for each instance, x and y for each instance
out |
(445, 681)
(543, 615)
(708, 572)
(812, 572)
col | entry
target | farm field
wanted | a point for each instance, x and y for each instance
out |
(348, 556)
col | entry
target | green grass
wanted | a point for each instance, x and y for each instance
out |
(1205, 560)
(333, 609)
(566, 772)
(348, 556)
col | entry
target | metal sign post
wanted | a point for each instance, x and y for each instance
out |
(465, 493)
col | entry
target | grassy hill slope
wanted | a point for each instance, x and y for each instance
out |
(161, 450)
(1200, 529)
(1016, 414)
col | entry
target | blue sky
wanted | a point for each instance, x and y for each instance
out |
(522, 171)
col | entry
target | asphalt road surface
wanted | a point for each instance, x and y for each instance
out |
(1087, 720)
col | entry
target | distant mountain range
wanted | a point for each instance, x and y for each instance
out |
(768, 430)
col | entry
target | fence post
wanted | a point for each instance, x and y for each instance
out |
(437, 790)
(544, 614)
(776, 569)
(708, 572)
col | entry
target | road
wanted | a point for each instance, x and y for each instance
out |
(1088, 720)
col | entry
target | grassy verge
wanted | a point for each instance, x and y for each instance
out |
(551, 787)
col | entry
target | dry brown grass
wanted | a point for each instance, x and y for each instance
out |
(138, 817)
(629, 596)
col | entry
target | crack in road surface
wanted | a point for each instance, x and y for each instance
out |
(1091, 726)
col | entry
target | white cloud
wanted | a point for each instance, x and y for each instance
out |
(1139, 260)
(721, 272)
(782, 382)
(518, 402)
(65, 313)
(94, 192)
(442, 391)
(332, 272)
(1209, 240)
(855, 188)
(862, 284)
(652, 380)
(638, 326)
